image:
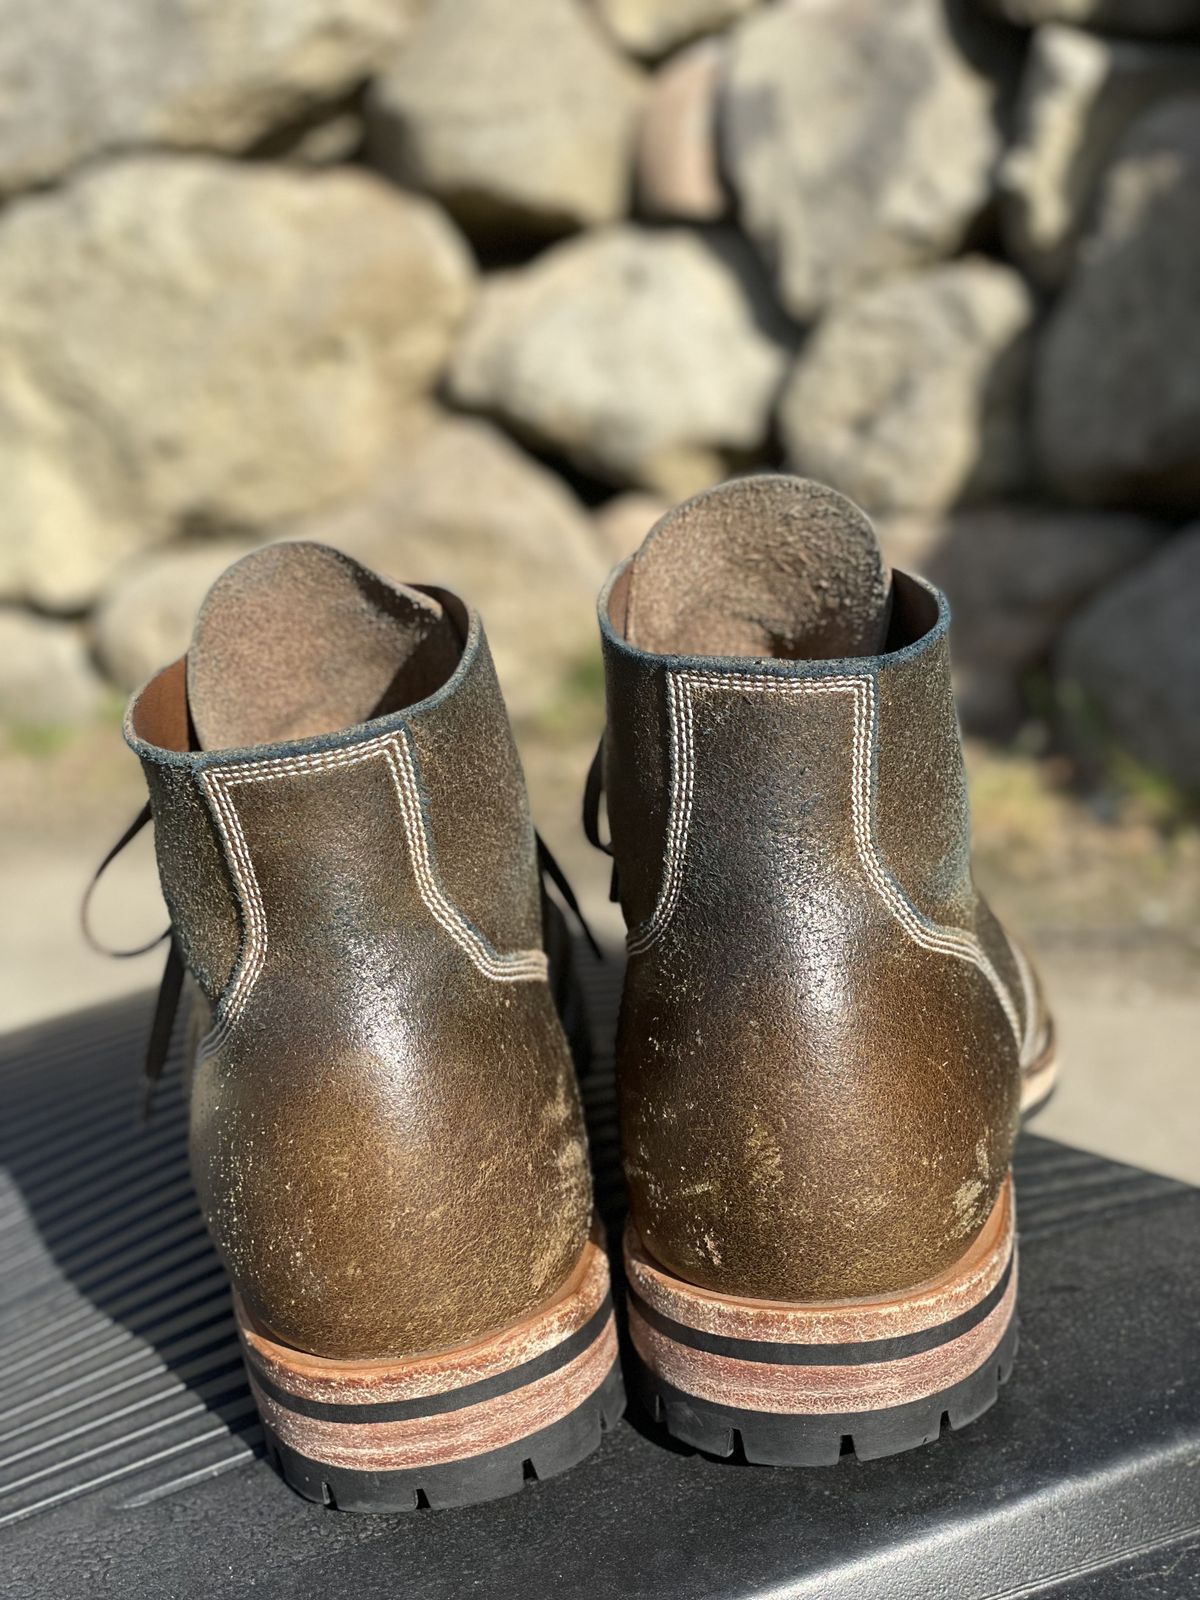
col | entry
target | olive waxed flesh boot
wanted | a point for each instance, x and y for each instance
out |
(385, 1129)
(826, 1037)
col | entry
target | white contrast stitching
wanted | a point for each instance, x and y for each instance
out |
(517, 966)
(683, 769)
(512, 967)
(254, 942)
(679, 822)
(924, 932)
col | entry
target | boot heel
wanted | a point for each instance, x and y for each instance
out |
(803, 1384)
(453, 1429)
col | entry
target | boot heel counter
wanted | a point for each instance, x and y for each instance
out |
(783, 1152)
(820, 1065)
(362, 1215)
(386, 1131)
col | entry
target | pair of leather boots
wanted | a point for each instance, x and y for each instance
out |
(826, 1038)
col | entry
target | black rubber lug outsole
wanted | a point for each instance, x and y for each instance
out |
(788, 1440)
(564, 1444)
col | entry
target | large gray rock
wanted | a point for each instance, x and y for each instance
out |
(1150, 18)
(1079, 94)
(914, 395)
(652, 27)
(46, 678)
(464, 507)
(461, 506)
(678, 169)
(519, 118)
(859, 138)
(145, 616)
(1013, 574)
(649, 358)
(325, 143)
(185, 342)
(1117, 412)
(77, 78)
(1133, 657)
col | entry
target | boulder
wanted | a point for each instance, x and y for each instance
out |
(1079, 94)
(77, 79)
(1133, 659)
(519, 118)
(859, 139)
(652, 27)
(326, 143)
(189, 343)
(913, 395)
(1117, 392)
(461, 506)
(1149, 18)
(466, 508)
(678, 175)
(46, 676)
(648, 358)
(144, 618)
(1013, 574)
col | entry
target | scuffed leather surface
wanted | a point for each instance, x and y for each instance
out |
(194, 877)
(922, 814)
(637, 774)
(479, 811)
(389, 1150)
(813, 1105)
(388, 1146)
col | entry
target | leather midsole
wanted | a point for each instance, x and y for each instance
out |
(938, 1301)
(389, 1415)
(807, 1358)
(828, 1387)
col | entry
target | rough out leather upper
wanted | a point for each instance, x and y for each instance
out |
(385, 1134)
(823, 1027)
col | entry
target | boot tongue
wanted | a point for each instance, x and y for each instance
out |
(296, 640)
(767, 566)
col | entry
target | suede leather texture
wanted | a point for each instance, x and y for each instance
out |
(816, 1104)
(387, 1141)
(297, 639)
(761, 566)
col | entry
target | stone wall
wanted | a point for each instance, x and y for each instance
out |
(472, 288)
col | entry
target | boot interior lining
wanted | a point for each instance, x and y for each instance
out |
(766, 566)
(297, 640)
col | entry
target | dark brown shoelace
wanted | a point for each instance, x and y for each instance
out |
(593, 794)
(169, 988)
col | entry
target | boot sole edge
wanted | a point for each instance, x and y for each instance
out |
(464, 1426)
(471, 1480)
(798, 1440)
(804, 1383)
